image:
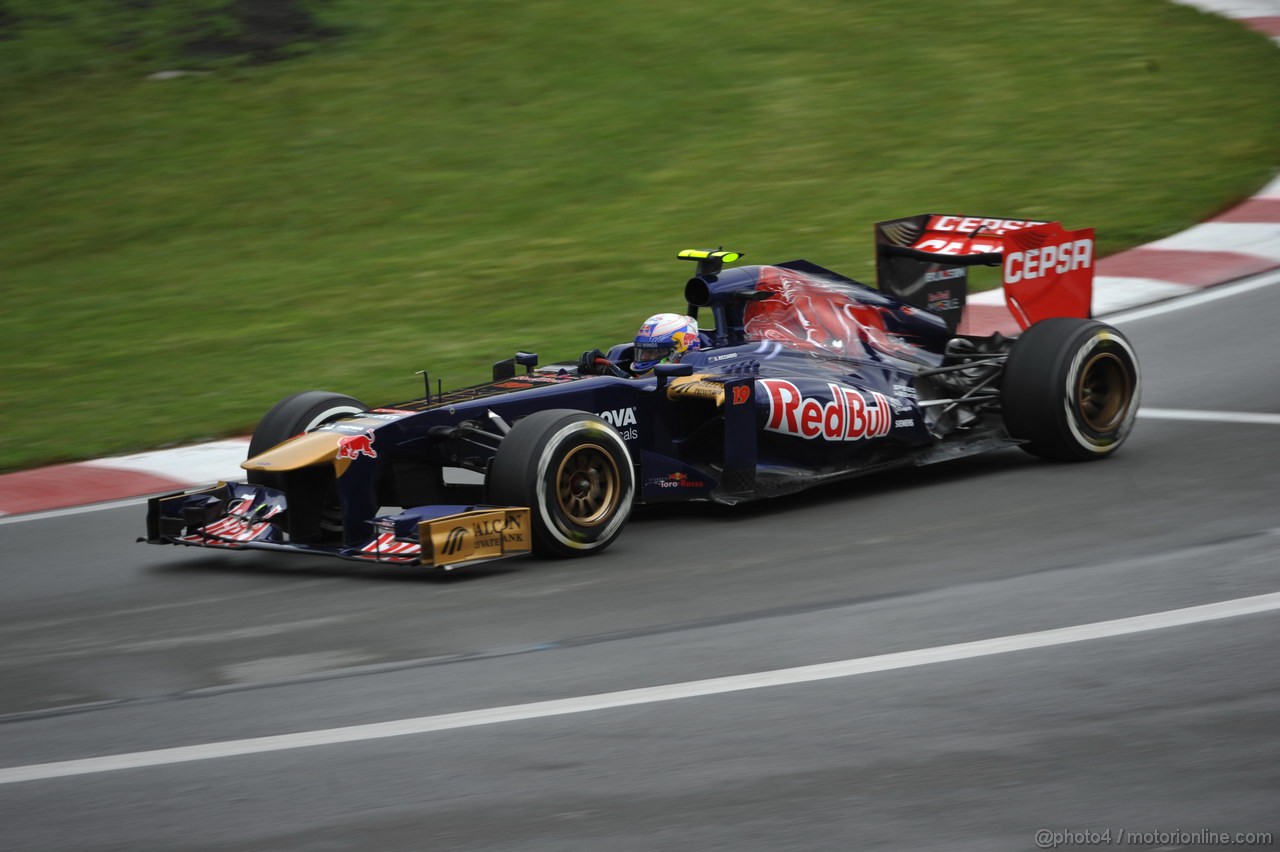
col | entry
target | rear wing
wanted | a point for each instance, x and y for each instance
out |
(1047, 270)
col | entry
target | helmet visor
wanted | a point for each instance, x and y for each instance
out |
(652, 353)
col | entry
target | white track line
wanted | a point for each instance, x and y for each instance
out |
(649, 695)
(1221, 291)
(1211, 416)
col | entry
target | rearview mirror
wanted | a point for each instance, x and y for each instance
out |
(667, 372)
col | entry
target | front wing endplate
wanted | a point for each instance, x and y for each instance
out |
(475, 535)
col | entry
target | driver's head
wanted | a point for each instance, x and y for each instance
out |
(664, 338)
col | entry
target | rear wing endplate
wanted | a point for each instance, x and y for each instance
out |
(1047, 271)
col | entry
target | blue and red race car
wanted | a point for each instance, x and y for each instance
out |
(804, 376)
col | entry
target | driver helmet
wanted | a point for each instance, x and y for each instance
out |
(663, 338)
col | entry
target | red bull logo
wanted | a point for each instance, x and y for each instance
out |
(850, 415)
(354, 446)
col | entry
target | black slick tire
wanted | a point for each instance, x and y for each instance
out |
(1071, 389)
(574, 473)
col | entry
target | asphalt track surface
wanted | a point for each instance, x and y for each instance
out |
(111, 647)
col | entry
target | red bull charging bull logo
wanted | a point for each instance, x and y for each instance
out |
(354, 446)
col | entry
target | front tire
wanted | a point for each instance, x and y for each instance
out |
(292, 416)
(573, 471)
(1071, 389)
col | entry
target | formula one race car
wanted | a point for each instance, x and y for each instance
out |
(803, 376)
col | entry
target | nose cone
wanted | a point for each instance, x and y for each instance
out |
(305, 450)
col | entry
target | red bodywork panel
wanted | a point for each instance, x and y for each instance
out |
(1048, 272)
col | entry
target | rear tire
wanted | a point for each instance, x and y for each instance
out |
(292, 416)
(573, 471)
(1071, 389)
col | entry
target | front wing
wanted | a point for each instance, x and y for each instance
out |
(236, 516)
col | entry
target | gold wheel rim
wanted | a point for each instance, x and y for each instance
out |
(587, 485)
(1103, 392)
